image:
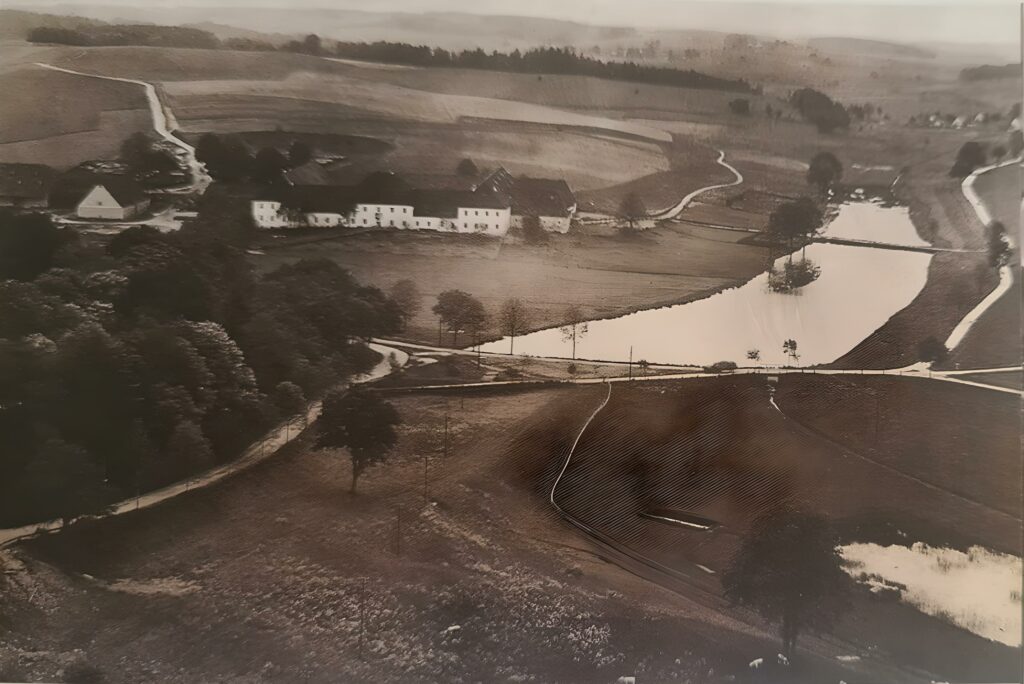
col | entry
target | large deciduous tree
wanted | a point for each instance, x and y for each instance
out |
(971, 156)
(824, 171)
(459, 311)
(363, 423)
(27, 245)
(632, 209)
(575, 326)
(789, 570)
(514, 319)
(406, 296)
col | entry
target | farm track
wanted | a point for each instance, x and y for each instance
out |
(677, 209)
(200, 178)
(257, 452)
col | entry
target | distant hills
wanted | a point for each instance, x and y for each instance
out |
(987, 72)
(862, 46)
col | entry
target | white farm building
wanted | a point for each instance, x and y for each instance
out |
(113, 198)
(490, 207)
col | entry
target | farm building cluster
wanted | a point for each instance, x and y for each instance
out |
(488, 206)
(84, 192)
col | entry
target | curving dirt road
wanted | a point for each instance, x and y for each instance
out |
(674, 211)
(200, 178)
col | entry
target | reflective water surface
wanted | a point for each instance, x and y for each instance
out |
(859, 289)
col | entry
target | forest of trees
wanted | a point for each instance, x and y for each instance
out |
(819, 109)
(548, 60)
(131, 364)
(125, 34)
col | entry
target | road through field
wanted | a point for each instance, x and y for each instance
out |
(200, 178)
(674, 211)
(267, 446)
(1005, 273)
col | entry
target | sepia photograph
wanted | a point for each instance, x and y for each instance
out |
(472, 341)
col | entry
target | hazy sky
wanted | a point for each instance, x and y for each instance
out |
(965, 21)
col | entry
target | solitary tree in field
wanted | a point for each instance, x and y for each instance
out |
(971, 156)
(289, 400)
(268, 165)
(575, 326)
(406, 296)
(299, 153)
(533, 232)
(740, 106)
(931, 350)
(790, 347)
(363, 423)
(788, 569)
(466, 167)
(999, 249)
(1016, 143)
(65, 477)
(754, 355)
(458, 310)
(632, 209)
(513, 318)
(824, 172)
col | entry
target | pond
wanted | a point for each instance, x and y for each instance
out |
(858, 290)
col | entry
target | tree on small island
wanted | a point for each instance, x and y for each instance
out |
(363, 423)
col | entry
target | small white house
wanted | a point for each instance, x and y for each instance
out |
(115, 198)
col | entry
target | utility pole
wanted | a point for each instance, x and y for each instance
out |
(425, 478)
(362, 615)
(631, 363)
(446, 436)
(398, 531)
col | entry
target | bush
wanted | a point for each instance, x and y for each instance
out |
(971, 156)
(82, 672)
(931, 350)
(740, 106)
(794, 275)
(571, 369)
(721, 367)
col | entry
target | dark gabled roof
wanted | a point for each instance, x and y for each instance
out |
(431, 181)
(498, 180)
(310, 173)
(122, 188)
(384, 187)
(26, 181)
(320, 199)
(72, 186)
(446, 203)
(541, 197)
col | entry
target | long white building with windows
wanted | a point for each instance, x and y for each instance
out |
(387, 201)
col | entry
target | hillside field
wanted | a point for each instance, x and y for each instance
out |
(718, 449)
(60, 119)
